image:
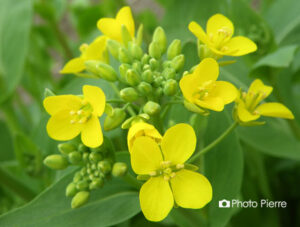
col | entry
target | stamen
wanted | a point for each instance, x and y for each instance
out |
(79, 112)
(72, 112)
(256, 112)
(152, 174)
(82, 120)
(72, 121)
(179, 166)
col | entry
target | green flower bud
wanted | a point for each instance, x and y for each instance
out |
(75, 157)
(113, 121)
(143, 177)
(66, 148)
(147, 76)
(178, 62)
(80, 199)
(48, 93)
(145, 59)
(96, 183)
(113, 47)
(78, 176)
(158, 81)
(170, 87)
(99, 149)
(82, 148)
(174, 49)
(154, 64)
(123, 70)
(119, 169)
(167, 64)
(104, 166)
(151, 108)
(135, 51)
(160, 38)
(158, 92)
(56, 161)
(95, 157)
(83, 171)
(107, 72)
(137, 66)
(126, 37)
(139, 35)
(124, 56)
(108, 109)
(146, 67)
(132, 77)
(71, 190)
(145, 88)
(82, 185)
(154, 50)
(129, 94)
(85, 156)
(169, 73)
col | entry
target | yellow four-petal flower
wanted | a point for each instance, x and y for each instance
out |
(169, 180)
(72, 115)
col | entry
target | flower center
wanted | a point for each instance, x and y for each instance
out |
(221, 37)
(204, 90)
(252, 99)
(82, 114)
(167, 170)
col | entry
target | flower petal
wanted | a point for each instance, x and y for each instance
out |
(55, 104)
(274, 109)
(239, 45)
(243, 114)
(59, 126)
(198, 31)
(124, 16)
(95, 51)
(145, 156)
(207, 70)
(211, 103)
(179, 143)
(257, 86)
(95, 96)
(191, 189)
(156, 199)
(188, 85)
(110, 28)
(217, 22)
(75, 65)
(225, 90)
(91, 134)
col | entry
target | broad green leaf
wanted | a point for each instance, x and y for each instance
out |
(108, 206)
(223, 167)
(6, 152)
(15, 21)
(280, 58)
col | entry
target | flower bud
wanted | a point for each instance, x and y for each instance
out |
(145, 88)
(129, 94)
(132, 77)
(66, 148)
(48, 93)
(174, 49)
(80, 199)
(137, 66)
(96, 183)
(147, 76)
(158, 92)
(160, 38)
(145, 59)
(139, 35)
(71, 190)
(146, 67)
(170, 87)
(124, 56)
(75, 157)
(167, 64)
(151, 108)
(119, 169)
(178, 62)
(169, 73)
(95, 157)
(104, 166)
(82, 172)
(113, 121)
(158, 81)
(56, 161)
(107, 72)
(154, 64)
(135, 51)
(82, 185)
(126, 37)
(123, 70)
(82, 148)
(113, 47)
(154, 50)
(108, 109)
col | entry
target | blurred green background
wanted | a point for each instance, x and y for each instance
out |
(38, 36)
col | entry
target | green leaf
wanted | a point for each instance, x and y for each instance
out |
(108, 206)
(282, 57)
(15, 22)
(6, 152)
(223, 168)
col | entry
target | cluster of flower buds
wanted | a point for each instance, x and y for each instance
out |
(97, 166)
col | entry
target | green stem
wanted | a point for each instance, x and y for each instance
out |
(132, 181)
(115, 101)
(214, 143)
(19, 188)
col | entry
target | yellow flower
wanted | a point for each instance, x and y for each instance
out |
(218, 37)
(72, 115)
(169, 180)
(142, 129)
(95, 51)
(111, 27)
(248, 108)
(202, 89)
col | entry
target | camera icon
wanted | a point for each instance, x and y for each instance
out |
(224, 203)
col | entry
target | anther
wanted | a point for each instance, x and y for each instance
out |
(72, 112)
(79, 112)
(256, 112)
(72, 122)
(179, 166)
(152, 174)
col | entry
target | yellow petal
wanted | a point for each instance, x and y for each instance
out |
(191, 189)
(95, 51)
(156, 199)
(59, 126)
(258, 86)
(110, 28)
(91, 134)
(188, 85)
(239, 45)
(274, 109)
(219, 22)
(244, 115)
(225, 90)
(197, 30)
(208, 69)
(75, 65)
(95, 96)
(179, 143)
(145, 156)
(211, 103)
(124, 17)
(55, 104)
